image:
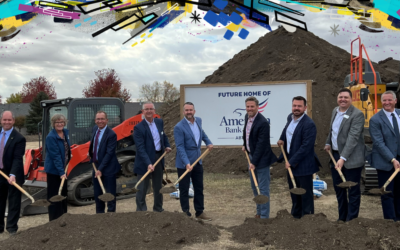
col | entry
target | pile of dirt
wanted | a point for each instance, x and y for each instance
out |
(138, 230)
(317, 232)
(283, 56)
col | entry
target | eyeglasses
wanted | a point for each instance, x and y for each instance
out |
(149, 109)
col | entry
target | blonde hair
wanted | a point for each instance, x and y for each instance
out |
(57, 117)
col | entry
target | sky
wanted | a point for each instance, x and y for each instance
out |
(183, 53)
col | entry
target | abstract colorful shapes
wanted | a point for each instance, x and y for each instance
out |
(49, 12)
(220, 4)
(228, 35)
(243, 33)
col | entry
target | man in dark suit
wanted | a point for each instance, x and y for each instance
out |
(385, 157)
(151, 142)
(298, 139)
(102, 152)
(12, 150)
(256, 141)
(346, 140)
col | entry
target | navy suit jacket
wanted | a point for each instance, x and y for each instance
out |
(187, 150)
(55, 153)
(384, 147)
(145, 148)
(13, 154)
(107, 158)
(259, 142)
(302, 158)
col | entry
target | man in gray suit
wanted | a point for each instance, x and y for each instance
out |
(385, 157)
(346, 140)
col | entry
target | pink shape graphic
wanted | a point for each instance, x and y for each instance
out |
(120, 6)
(49, 12)
(398, 12)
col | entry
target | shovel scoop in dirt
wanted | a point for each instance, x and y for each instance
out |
(259, 199)
(295, 190)
(171, 188)
(38, 203)
(105, 196)
(59, 197)
(344, 184)
(382, 190)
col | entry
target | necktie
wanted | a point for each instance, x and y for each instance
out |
(2, 142)
(396, 131)
(96, 142)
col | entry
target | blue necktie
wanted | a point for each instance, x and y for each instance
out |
(396, 131)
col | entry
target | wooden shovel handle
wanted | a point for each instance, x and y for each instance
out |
(99, 179)
(194, 164)
(63, 179)
(252, 174)
(339, 171)
(289, 169)
(17, 186)
(391, 178)
(149, 171)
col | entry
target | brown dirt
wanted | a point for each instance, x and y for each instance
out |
(261, 199)
(378, 191)
(106, 197)
(41, 203)
(282, 56)
(137, 230)
(317, 232)
(57, 198)
(298, 191)
(347, 184)
(168, 189)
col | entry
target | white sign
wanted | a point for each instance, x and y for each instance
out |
(222, 107)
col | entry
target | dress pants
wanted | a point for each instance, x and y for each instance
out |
(263, 178)
(348, 199)
(56, 209)
(197, 179)
(302, 204)
(156, 176)
(14, 204)
(390, 201)
(110, 185)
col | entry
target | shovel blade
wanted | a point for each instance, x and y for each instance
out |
(298, 191)
(41, 203)
(261, 199)
(106, 197)
(380, 191)
(167, 189)
(57, 198)
(347, 184)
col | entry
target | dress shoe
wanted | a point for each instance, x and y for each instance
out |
(203, 216)
(257, 216)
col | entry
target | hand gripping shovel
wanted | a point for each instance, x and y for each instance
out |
(59, 197)
(171, 188)
(344, 184)
(259, 199)
(295, 190)
(105, 196)
(135, 189)
(38, 203)
(382, 190)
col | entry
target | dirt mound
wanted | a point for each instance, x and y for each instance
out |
(283, 56)
(138, 230)
(317, 232)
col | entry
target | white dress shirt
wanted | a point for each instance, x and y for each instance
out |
(155, 134)
(290, 130)
(335, 129)
(195, 130)
(389, 116)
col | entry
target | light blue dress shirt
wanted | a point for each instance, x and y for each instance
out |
(195, 130)
(100, 136)
(8, 133)
(155, 134)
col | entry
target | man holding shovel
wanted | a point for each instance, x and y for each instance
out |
(12, 150)
(385, 157)
(298, 139)
(346, 140)
(188, 134)
(256, 141)
(151, 142)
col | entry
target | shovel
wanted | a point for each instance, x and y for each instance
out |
(259, 199)
(382, 190)
(135, 189)
(38, 203)
(59, 197)
(105, 196)
(167, 181)
(171, 188)
(295, 190)
(344, 184)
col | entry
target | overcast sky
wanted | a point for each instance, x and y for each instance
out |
(69, 58)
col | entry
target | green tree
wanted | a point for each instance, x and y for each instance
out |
(14, 98)
(35, 113)
(20, 122)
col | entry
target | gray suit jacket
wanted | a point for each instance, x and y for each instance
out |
(350, 138)
(384, 147)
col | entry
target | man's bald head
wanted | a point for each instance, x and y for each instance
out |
(7, 120)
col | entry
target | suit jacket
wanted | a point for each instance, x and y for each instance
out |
(13, 154)
(384, 147)
(187, 151)
(302, 158)
(107, 158)
(350, 138)
(55, 153)
(145, 148)
(259, 142)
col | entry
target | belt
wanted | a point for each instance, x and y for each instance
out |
(335, 151)
(159, 152)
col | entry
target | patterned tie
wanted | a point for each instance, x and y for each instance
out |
(96, 142)
(396, 131)
(2, 142)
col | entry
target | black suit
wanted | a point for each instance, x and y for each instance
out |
(14, 150)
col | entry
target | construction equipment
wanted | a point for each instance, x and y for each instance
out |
(367, 88)
(80, 113)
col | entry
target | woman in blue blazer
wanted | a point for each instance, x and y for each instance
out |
(58, 154)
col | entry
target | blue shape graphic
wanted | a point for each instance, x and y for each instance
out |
(236, 18)
(389, 7)
(158, 24)
(224, 18)
(77, 25)
(255, 15)
(220, 4)
(228, 35)
(10, 9)
(243, 33)
(146, 19)
(26, 16)
(93, 23)
(87, 19)
(211, 18)
(161, 23)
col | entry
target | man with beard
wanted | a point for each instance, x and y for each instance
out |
(298, 139)
(188, 134)
(346, 140)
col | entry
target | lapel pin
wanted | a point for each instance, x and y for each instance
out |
(162, 132)
(346, 116)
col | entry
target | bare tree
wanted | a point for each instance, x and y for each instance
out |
(159, 92)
